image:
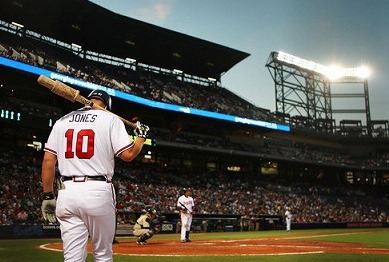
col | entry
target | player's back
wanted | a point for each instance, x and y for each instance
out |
(84, 145)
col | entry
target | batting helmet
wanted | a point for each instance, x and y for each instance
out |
(186, 189)
(103, 96)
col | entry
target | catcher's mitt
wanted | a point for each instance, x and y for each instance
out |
(157, 228)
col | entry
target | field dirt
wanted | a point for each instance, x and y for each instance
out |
(262, 246)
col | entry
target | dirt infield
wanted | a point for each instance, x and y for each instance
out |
(233, 247)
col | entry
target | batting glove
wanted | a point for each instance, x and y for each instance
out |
(48, 208)
(141, 130)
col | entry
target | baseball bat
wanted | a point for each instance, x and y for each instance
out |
(73, 95)
(185, 207)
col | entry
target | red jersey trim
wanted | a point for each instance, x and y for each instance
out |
(50, 151)
(124, 148)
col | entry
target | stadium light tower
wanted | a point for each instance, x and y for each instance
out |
(303, 88)
(332, 73)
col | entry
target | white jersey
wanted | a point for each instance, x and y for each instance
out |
(143, 222)
(84, 146)
(186, 201)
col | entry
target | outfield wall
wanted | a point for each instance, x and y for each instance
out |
(52, 231)
(339, 225)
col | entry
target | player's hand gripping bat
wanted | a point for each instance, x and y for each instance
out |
(73, 95)
(187, 210)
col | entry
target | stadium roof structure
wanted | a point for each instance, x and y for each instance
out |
(97, 29)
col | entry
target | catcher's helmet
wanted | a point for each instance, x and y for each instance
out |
(151, 211)
(103, 96)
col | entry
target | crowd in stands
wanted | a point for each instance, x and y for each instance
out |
(139, 185)
(28, 108)
(262, 146)
(139, 82)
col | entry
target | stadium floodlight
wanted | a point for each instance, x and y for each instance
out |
(177, 71)
(332, 73)
(211, 79)
(306, 64)
(131, 60)
(76, 46)
(17, 24)
(361, 72)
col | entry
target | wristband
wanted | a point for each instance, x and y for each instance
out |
(48, 195)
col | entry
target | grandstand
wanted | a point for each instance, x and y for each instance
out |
(152, 75)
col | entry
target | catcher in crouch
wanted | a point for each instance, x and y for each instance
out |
(145, 227)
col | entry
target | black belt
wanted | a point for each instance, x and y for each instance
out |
(85, 178)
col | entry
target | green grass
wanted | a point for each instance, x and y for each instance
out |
(28, 250)
(377, 239)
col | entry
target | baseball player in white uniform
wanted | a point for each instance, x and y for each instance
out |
(288, 219)
(84, 143)
(185, 204)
